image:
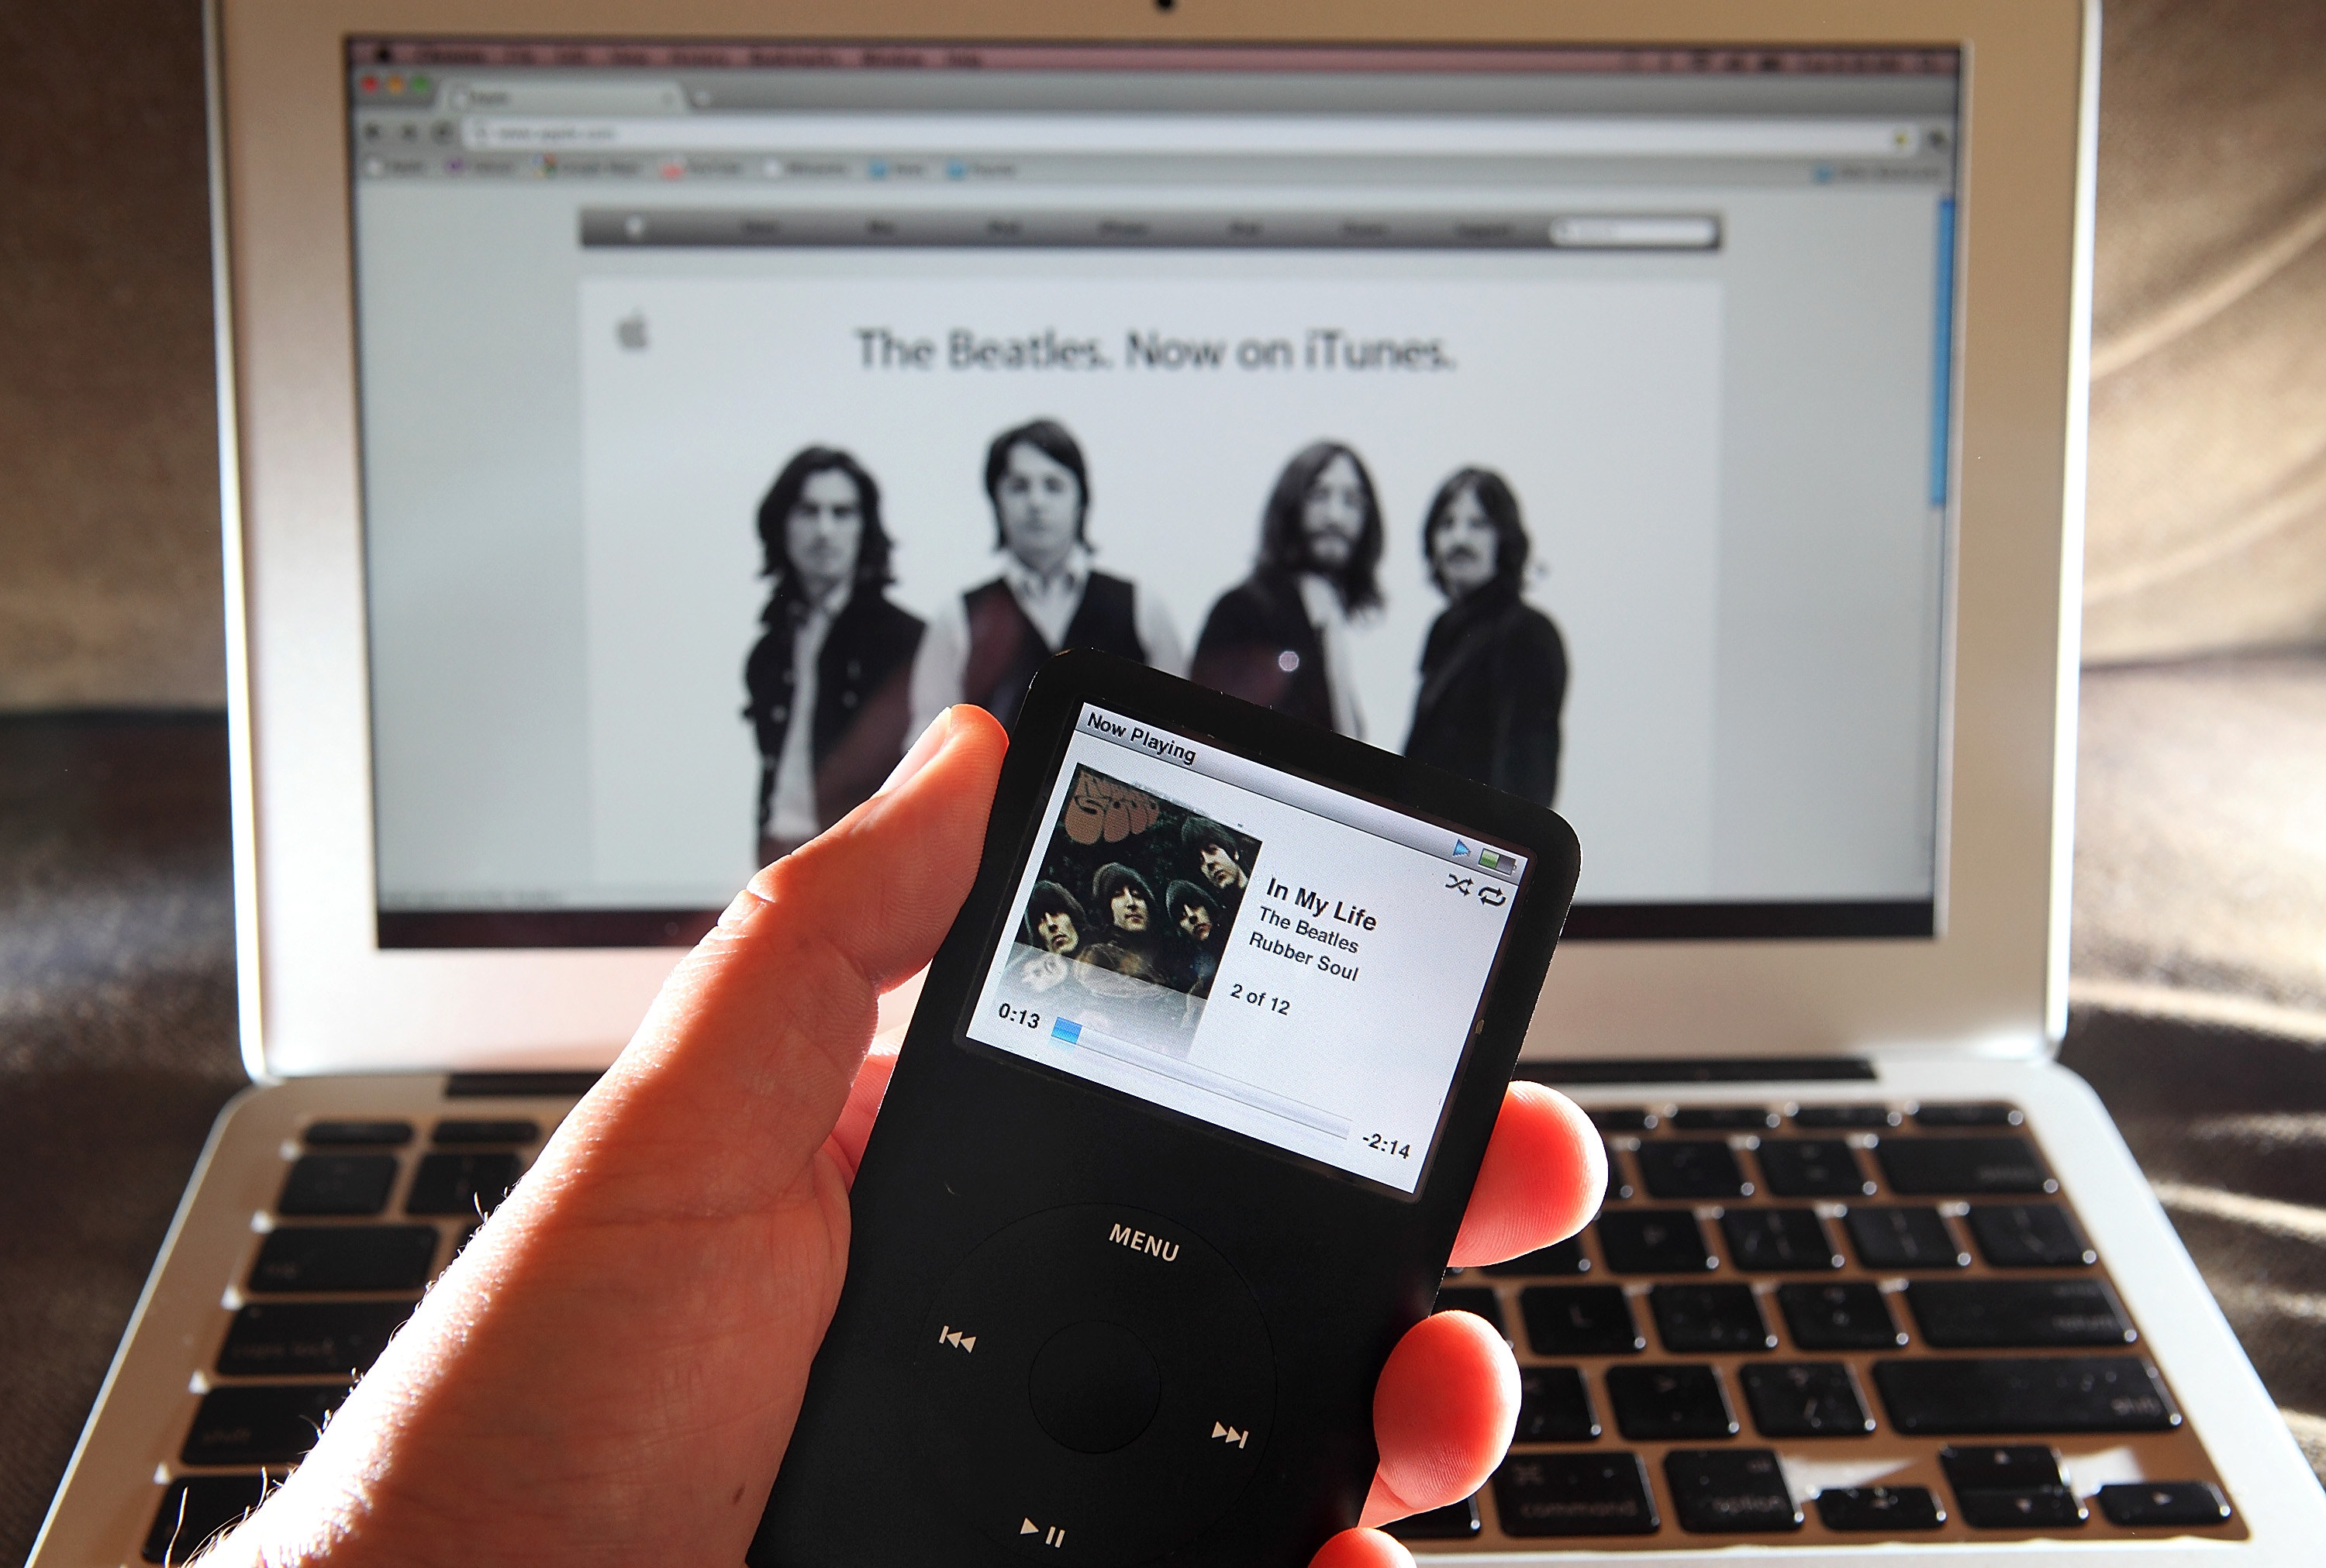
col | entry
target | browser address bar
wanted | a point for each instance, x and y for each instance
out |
(964, 135)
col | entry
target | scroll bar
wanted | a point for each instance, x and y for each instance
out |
(1942, 356)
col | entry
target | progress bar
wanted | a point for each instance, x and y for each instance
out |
(1075, 1036)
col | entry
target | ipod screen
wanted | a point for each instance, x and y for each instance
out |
(1273, 956)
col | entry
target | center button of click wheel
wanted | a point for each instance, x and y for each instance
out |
(1095, 1387)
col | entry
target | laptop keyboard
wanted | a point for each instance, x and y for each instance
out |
(1838, 1324)
(1834, 1325)
(369, 1212)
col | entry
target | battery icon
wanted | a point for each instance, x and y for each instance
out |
(1489, 860)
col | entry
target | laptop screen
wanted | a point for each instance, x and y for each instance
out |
(1577, 421)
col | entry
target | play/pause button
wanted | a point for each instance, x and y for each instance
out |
(1055, 1536)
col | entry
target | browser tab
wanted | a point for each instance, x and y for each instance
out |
(564, 96)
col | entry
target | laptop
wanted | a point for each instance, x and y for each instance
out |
(637, 420)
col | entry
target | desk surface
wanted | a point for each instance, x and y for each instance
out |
(117, 1047)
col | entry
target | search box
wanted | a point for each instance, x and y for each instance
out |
(1665, 231)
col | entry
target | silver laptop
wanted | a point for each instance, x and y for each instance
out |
(636, 419)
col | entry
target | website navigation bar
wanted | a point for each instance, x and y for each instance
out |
(1147, 228)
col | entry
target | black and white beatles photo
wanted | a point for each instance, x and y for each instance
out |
(841, 677)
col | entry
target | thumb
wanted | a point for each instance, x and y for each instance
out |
(755, 1037)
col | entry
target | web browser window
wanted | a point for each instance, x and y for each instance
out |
(1256, 950)
(1577, 421)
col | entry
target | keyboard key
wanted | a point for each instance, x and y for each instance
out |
(337, 1184)
(1619, 1185)
(1968, 1116)
(1962, 1396)
(1718, 1491)
(2030, 1236)
(196, 1509)
(391, 1135)
(1624, 1119)
(261, 1424)
(1725, 1119)
(1553, 1406)
(1933, 1167)
(2036, 1508)
(1453, 1522)
(2005, 1467)
(1690, 1168)
(1697, 1319)
(1559, 1258)
(1474, 1298)
(1891, 1237)
(2163, 1505)
(282, 1338)
(1667, 1403)
(1772, 1241)
(1573, 1494)
(1871, 1116)
(1879, 1509)
(1654, 1241)
(2014, 1487)
(2017, 1314)
(1804, 1399)
(1812, 1168)
(486, 1132)
(1838, 1317)
(461, 1184)
(345, 1257)
(1579, 1320)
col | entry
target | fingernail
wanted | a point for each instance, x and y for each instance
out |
(931, 742)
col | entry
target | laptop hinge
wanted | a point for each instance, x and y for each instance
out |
(517, 1085)
(1742, 1069)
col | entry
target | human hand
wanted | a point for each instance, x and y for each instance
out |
(610, 1370)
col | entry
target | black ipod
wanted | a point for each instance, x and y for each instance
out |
(1177, 1142)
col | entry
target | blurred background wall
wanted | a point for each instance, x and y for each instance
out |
(2207, 508)
(2207, 511)
(109, 439)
